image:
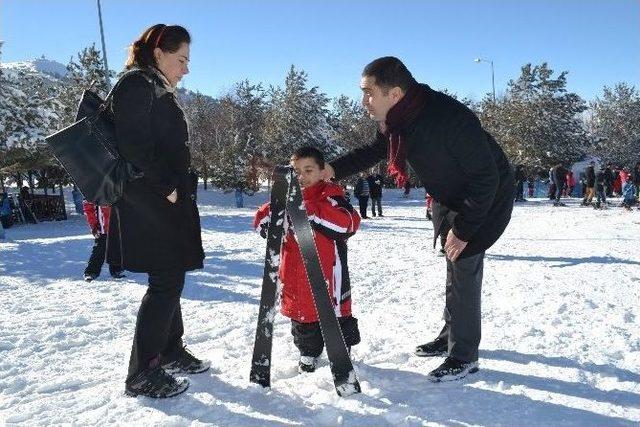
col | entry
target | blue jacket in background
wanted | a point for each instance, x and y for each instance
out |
(5, 207)
(629, 191)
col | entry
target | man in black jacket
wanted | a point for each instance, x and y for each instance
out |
(559, 177)
(465, 171)
(375, 193)
(635, 176)
(361, 191)
(590, 182)
(520, 179)
(609, 178)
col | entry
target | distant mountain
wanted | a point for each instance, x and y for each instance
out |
(58, 71)
(40, 65)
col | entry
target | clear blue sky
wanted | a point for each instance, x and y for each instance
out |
(598, 42)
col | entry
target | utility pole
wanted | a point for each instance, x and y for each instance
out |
(104, 49)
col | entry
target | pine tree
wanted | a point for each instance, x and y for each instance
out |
(248, 117)
(537, 121)
(87, 72)
(198, 109)
(615, 124)
(297, 116)
(28, 113)
(227, 137)
(31, 111)
(352, 125)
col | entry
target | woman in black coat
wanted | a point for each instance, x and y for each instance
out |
(156, 224)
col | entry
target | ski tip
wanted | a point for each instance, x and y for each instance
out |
(348, 389)
(348, 384)
(264, 381)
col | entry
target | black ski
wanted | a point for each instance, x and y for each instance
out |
(261, 363)
(344, 376)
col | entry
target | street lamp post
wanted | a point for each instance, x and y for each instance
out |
(104, 49)
(493, 80)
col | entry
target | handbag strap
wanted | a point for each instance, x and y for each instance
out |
(108, 101)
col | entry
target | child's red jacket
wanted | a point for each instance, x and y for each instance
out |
(333, 220)
(97, 216)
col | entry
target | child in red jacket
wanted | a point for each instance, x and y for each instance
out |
(98, 221)
(333, 220)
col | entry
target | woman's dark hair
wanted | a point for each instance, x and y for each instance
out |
(308, 152)
(168, 38)
(389, 72)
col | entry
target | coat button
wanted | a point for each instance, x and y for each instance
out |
(193, 197)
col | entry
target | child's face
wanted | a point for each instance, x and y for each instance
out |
(307, 170)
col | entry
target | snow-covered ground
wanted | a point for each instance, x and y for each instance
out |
(561, 342)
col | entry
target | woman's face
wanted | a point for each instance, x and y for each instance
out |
(174, 65)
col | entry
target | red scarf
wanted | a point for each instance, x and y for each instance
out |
(398, 118)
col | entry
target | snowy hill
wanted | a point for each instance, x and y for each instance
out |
(41, 65)
(561, 340)
(53, 69)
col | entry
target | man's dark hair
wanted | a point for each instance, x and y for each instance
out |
(309, 152)
(389, 72)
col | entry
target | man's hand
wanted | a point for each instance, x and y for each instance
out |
(328, 172)
(454, 246)
(173, 197)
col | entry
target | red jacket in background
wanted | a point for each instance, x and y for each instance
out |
(571, 181)
(617, 184)
(624, 177)
(333, 220)
(97, 216)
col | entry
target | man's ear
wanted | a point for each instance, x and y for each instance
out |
(396, 93)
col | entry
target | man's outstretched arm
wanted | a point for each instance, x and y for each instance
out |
(358, 159)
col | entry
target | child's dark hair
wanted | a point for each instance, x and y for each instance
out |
(309, 152)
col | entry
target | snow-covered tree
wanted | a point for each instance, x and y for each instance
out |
(87, 72)
(537, 121)
(297, 116)
(28, 110)
(351, 123)
(615, 124)
(200, 112)
(241, 145)
(247, 106)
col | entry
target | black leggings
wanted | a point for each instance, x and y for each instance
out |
(308, 337)
(159, 326)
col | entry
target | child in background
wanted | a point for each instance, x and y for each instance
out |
(98, 220)
(628, 194)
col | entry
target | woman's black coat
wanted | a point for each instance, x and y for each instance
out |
(147, 232)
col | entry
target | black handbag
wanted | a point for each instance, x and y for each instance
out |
(88, 151)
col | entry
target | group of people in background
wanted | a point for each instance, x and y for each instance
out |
(596, 184)
(19, 208)
(369, 187)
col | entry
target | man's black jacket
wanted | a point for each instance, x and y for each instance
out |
(591, 176)
(460, 165)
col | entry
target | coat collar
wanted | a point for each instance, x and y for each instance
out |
(321, 190)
